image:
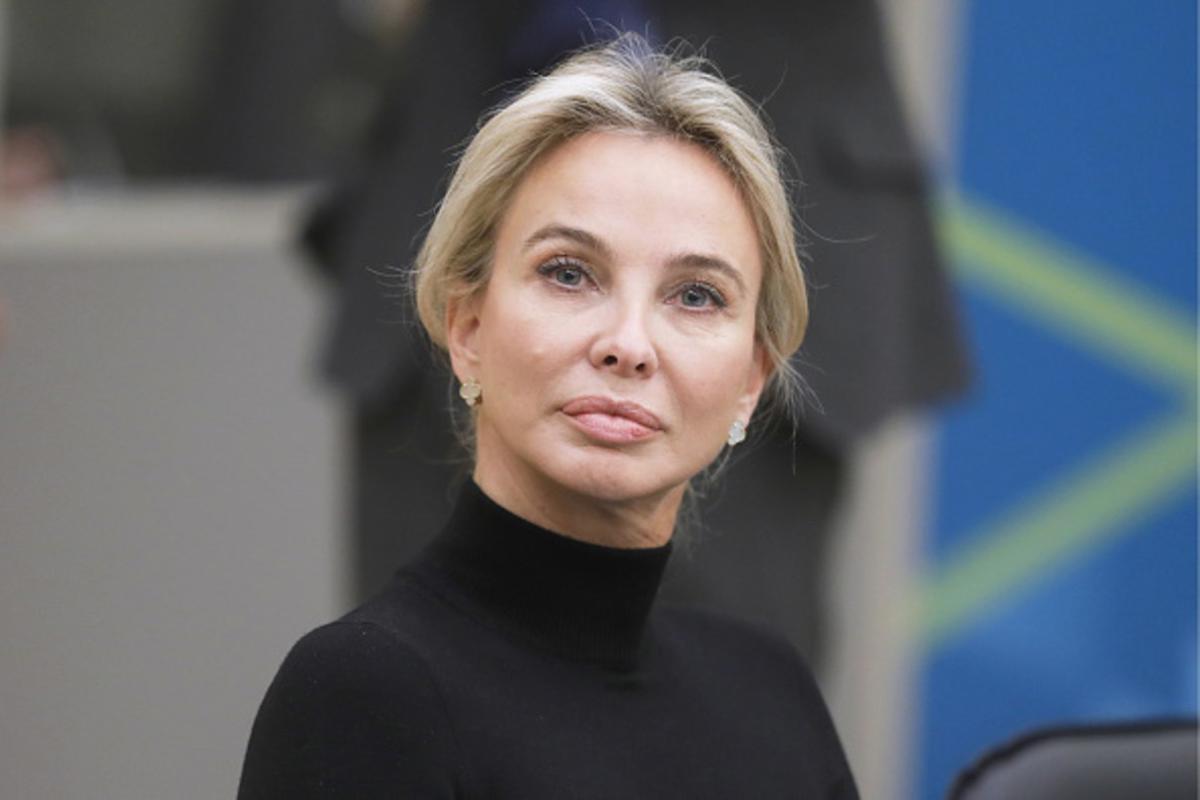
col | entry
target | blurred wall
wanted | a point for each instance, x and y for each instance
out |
(168, 482)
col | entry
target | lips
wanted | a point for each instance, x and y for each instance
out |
(612, 420)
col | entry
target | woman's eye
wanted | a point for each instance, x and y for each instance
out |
(700, 296)
(564, 273)
(568, 276)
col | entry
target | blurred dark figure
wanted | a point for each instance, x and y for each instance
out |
(292, 85)
(883, 336)
(243, 90)
(87, 97)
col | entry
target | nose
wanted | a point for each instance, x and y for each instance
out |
(624, 347)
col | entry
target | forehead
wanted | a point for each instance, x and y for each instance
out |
(645, 195)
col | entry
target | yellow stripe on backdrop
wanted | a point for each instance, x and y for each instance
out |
(1068, 519)
(1102, 497)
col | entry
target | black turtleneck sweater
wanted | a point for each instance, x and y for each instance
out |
(511, 662)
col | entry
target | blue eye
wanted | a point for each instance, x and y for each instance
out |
(699, 295)
(564, 272)
(568, 276)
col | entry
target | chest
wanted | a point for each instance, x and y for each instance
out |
(547, 728)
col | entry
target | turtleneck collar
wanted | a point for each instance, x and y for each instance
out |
(573, 598)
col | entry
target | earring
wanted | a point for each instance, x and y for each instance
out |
(470, 392)
(737, 433)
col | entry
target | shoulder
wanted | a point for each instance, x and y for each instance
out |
(352, 706)
(356, 656)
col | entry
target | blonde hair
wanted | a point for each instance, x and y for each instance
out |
(621, 85)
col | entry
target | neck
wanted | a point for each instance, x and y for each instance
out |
(573, 598)
(628, 523)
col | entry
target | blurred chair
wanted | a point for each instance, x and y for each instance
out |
(1150, 760)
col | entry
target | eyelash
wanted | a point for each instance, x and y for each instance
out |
(713, 293)
(558, 263)
(549, 269)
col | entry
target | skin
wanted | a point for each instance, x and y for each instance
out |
(626, 269)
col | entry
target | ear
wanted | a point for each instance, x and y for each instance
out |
(462, 334)
(760, 370)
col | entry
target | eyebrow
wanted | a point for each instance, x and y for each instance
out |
(577, 235)
(707, 262)
(594, 243)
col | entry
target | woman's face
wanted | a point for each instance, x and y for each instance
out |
(615, 340)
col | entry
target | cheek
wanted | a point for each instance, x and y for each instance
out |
(524, 347)
(713, 379)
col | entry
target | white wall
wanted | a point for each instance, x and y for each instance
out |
(168, 488)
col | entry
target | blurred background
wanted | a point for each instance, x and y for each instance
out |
(179, 477)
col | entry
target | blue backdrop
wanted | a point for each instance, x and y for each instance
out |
(1060, 576)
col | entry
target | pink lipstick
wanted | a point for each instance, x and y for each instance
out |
(609, 420)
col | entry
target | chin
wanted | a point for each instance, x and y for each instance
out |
(616, 477)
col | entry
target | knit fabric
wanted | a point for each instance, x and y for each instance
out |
(509, 661)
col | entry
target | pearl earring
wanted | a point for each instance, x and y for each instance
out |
(737, 433)
(470, 392)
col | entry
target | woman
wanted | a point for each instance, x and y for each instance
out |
(613, 275)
